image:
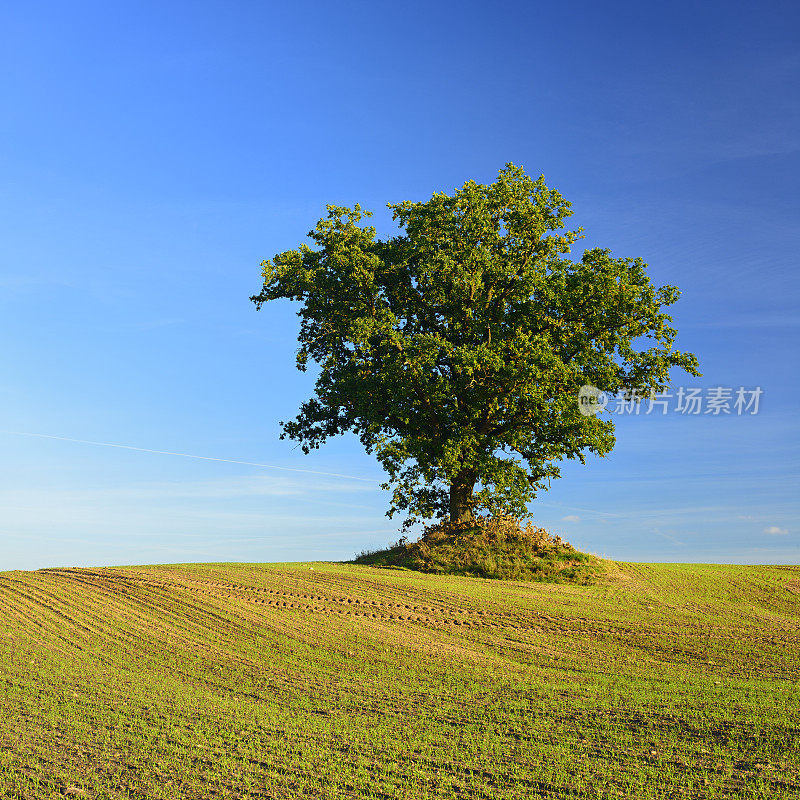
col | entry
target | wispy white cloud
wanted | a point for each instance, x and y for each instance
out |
(571, 518)
(774, 530)
(190, 455)
(272, 511)
(670, 538)
(241, 487)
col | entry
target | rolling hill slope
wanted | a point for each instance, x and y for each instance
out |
(331, 680)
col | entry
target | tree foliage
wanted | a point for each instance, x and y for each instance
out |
(456, 349)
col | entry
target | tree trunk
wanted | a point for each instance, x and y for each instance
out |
(461, 498)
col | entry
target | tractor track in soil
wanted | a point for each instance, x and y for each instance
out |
(215, 601)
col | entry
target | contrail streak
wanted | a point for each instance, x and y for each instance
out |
(190, 455)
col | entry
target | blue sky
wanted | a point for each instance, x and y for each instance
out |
(154, 153)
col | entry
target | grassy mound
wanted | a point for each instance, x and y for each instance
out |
(497, 547)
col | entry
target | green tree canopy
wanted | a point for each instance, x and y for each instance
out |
(456, 350)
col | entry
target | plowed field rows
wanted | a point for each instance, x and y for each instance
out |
(338, 681)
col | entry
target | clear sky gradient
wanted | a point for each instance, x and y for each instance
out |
(153, 153)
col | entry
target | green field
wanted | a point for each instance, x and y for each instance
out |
(331, 680)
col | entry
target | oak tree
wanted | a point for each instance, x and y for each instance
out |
(456, 349)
